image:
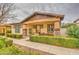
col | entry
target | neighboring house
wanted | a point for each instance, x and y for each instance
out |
(4, 28)
(76, 22)
(39, 23)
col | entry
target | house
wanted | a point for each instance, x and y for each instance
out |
(4, 28)
(39, 23)
(76, 22)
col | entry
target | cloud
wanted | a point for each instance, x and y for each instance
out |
(70, 10)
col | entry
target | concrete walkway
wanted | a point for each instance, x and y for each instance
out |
(47, 48)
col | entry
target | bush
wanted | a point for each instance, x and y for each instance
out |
(2, 34)
(17, 36)
(9, 42)
(73, 31)
(57, 40)
(4, 42)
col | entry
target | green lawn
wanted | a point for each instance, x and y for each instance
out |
(12, 50)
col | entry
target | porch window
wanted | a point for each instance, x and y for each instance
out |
(35, 27)
(17, 28)
(50, 27)
(41, 26)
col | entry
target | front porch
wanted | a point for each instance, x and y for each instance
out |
(41, 28)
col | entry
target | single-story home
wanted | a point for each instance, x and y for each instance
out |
(37, 24)
(76, 22)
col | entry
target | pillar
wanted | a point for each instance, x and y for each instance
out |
(57, 28)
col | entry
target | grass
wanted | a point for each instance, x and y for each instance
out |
(12, 50)
(67, 42)
(7, 48)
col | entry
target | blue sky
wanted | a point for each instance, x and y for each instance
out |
(70, 10)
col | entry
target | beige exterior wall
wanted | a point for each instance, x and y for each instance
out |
(2, 29)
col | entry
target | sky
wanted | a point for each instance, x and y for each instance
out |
(69, 10)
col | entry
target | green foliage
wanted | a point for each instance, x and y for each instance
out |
(12, 50)
(73, 31)
(4, 42)
(2, 34)
(17, 36)
(9, 42)
(67, 25)
(57, 40)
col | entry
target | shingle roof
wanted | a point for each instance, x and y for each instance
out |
(76, 20)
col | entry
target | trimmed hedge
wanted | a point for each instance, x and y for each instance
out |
(57, 40)
(17, 36)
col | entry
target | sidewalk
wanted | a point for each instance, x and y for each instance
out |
(47, 48)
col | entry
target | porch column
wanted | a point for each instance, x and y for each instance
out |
(38, 29)
(57, 28)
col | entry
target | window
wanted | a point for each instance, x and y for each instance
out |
(50, 27)
(17, 28)
(34, 26)
(41, 26)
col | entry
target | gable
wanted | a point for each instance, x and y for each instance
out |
(43, 16)
(38, 17)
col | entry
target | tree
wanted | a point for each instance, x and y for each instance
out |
(73, 31)
(6, 11)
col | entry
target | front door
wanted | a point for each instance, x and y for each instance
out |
(24, 32)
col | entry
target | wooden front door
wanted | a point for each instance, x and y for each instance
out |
(24, 32)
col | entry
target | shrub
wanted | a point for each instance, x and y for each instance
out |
(2, 34)
(57, 40)
(9, 42)
(17, 36)
(9, 35)
(4, 42)
(73, 31)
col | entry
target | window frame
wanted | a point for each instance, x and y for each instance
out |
(17, 28)
(50, 28)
